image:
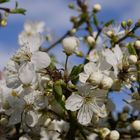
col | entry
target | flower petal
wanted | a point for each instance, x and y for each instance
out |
(74, 102)
(31, 118)
(110, 57)
(85, 114)
(90, 67)
(83, 77)
(40, 60)
(12, 80)
(27, 73)
(118, 53)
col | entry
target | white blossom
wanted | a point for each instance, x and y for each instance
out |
(114, 57)
(88, 102)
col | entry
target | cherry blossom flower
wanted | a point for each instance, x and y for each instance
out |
(88, 102)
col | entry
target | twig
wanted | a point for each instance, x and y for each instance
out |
(55, 43)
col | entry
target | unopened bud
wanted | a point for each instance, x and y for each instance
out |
(123, 24)
(71, 6)
(70, 45)
(90, 40)
(104, 132)
(114, 135)
(73, 31)
(136, 125)
(3, 22)
(137, 44)
(133, 59)
(74, 19)
(3, 121)
(129, 22)
(97, 7)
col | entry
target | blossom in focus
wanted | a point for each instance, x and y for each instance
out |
(88, 102)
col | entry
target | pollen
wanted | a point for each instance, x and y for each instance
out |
(14, 93)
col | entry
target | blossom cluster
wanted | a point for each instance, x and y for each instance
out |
(40, 101)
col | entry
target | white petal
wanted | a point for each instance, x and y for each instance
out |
(33, 42)
(27, 73)
(90, 67)
(110, 57)
(135, 104)
(85, 114)
(12, 80)
(118, 53)
(83, 77)
(74, 102)
(100, 111)
(12, 66)
(15, 117)
(40, 60)
(31, 118)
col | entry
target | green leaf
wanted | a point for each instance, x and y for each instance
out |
(58, 92)
(3, 1)
(131, 49)
(95, 20)
(18, 11)
(109, 23)
(74, 75)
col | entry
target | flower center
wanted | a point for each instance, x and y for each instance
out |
(87, 99)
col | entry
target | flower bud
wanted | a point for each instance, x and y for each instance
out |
(114, 135)
(71, 6)
(25, 137)
(137, 44)
(107, 82)
(3, 22)
(136, 125)
(90, 40)
(95, 78)
(97, 7)
(129, 22)
(73, 31)
(3, 121)
(133, 59)
(123, 24)
(70, 45)
(104, 132)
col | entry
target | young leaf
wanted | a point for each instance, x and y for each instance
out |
(131, 49)
(74, 75)
(18, 11)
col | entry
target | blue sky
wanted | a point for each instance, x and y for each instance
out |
(56, 14)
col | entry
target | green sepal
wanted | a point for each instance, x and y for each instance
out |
(74, 75)
(131, 49)
(18, 11)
